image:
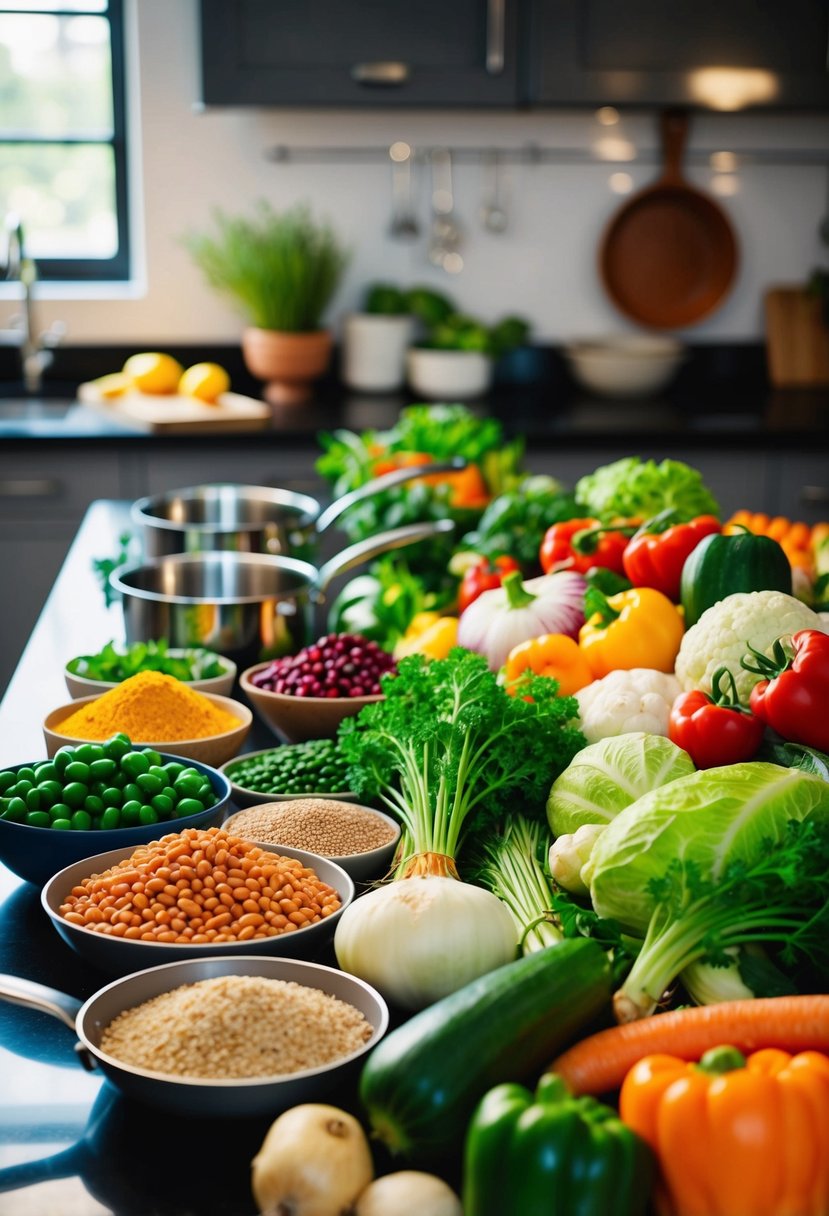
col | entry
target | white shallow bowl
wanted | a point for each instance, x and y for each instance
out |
(83, 686)
(362, 867)
(625, 366)
(448, 374)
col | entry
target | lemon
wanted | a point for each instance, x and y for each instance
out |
(207, 381)
(151, 372)
(113, 385)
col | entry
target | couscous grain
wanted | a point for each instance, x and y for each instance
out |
(236, 1026)
(324, 826)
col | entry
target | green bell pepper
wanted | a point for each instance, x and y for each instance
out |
(550, 1154)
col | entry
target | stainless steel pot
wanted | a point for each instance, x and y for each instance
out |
(198, 1096)
(254, 519)
(244, 605)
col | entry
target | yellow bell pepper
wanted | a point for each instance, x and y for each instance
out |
(428, 634)
(635, 628)
(554, 655)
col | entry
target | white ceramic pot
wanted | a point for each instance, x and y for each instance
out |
(374, 351)
(448, 374)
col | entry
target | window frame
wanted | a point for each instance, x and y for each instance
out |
(91, 270)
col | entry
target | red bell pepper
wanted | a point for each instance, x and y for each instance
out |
(657, 552)
(581, 544)
(485, 575)
(715, 729)
(793, 696)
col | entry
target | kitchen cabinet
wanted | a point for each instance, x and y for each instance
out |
(648, 52)
(359, 53)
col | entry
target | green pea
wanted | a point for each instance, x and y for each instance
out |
(163, 805)
(103, 769)
(117, 746)
(44, 772)
(21, 789)
(130, 818)
(63, 757)
(94, 804)
(74, 793)
(153, 757)
(134, 763)
(88, 753)
(59, 810)
(77, 771)
(172, 768)
(34, 800)
(50, 788)
(17, 811)
(7, 780)
(149, 783)
(188, 806)
(27, 773)
(170, 793)
(37, 819)
(148, 815)
(132, 807)
(131, 791)
(111, 818)
(62, 825)
(112, 796)
(188, 786)
(81, 821)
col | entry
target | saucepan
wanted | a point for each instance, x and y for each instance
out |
(254, 519)
(247, 606)
(197, 1095)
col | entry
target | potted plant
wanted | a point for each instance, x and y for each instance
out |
(455, 359)
(281, 269)
(375, 340)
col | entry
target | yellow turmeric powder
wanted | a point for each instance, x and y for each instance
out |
(150, 708)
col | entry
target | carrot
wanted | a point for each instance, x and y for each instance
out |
(600, 1063)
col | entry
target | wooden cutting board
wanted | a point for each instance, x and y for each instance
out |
(173, 414)
(797, 339)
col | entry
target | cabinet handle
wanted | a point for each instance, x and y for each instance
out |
(495, 37)
(35, 487)
(814, 494)
(386, 73)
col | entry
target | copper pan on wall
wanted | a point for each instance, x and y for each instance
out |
(669, 257)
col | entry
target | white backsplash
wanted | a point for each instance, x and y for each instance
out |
(544, 266)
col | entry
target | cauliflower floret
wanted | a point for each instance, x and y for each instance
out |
(638, 699)
(723, 633)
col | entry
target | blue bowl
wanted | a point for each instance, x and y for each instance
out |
(35, 854)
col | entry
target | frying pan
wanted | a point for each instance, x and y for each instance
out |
(669, 257)
(195, 1095)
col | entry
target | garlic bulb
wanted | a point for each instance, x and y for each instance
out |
(418, 939)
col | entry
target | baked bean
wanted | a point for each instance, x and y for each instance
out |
(200, 886)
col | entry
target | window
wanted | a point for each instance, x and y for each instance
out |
(62, 138)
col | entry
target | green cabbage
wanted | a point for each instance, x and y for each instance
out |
(608, 776)
(711, 818)
(635, 487)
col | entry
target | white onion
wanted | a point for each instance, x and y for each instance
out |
(492, 627)
(408, 1193)
(418, 939)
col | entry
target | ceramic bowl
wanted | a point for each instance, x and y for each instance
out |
(35, 854)
(297, 719)
(222, 685)
(213, 750)
(625, 366)
(448, 375)
(362, 867)
(120, 956)
(243, 795)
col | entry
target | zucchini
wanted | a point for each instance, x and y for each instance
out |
(421, 1084)
(723, 564)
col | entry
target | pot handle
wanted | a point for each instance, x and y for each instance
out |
(396, 477)
(372, 546)
(37, 996)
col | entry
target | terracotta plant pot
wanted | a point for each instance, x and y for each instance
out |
(289, 363)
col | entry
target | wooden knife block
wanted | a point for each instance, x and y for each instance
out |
(797, 339)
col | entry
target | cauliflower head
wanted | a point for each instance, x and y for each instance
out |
(723, 633)
(636, 700)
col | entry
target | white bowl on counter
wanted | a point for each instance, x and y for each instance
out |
(625, 366)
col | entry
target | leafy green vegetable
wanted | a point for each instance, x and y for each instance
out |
(778, 893)
(379, 605)
(633, 487)
(608, 776)
(711, 818)
(577, 921)
(796, 755)
(514, 867)
(104, 566)
(515, 521)
(449, 751)
(114, 665)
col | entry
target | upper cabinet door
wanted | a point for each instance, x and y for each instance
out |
(715, 54)
(359, 52)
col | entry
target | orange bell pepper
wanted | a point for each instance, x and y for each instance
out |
(735, 1136)
(553, 655)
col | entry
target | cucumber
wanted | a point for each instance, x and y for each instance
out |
(723, 564)
(421, 1084)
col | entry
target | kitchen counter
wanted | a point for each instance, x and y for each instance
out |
(70, 1145)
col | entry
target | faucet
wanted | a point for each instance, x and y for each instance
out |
(36, 353)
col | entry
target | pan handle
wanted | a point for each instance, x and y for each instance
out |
(673, 125)
(396, 538)
(37, 996)
(396, 477)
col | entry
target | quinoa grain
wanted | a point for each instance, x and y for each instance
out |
(324, 826)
